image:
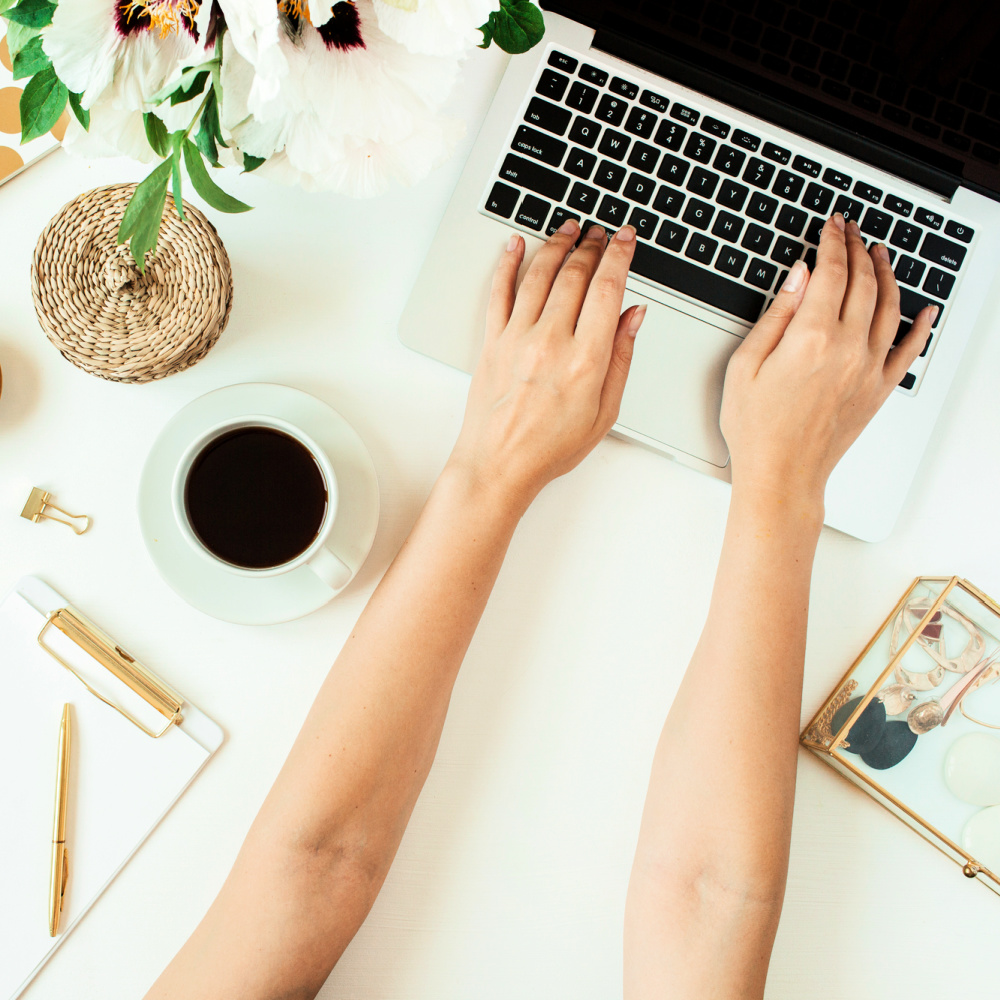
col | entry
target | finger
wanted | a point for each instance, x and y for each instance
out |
(537, 281)
(885, 320)
(862, 290)
(603, 303)
(897, 364)
(619, 365)
(504, 286)
(829, 278)
(770, 328)
(570, 286)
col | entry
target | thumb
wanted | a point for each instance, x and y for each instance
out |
(770, 328)
(619, 365)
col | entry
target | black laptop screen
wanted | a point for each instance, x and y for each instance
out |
(918, 77)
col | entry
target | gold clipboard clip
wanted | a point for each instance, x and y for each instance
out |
(39, 504)
(121, 664)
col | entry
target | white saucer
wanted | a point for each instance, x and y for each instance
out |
(213, 589)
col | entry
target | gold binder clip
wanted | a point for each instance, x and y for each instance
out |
(38, 506)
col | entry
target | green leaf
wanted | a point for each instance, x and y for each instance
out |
(82, 113)
(6, 5)
(32, 13)
(30, 59)
(18, 36)
(183, 83)
(156, 133)
(204, 184)
(251, 163)
(42, 102)
(140, 224)
(175, 168)
(209, 129)
(182, 95)
(515, 27)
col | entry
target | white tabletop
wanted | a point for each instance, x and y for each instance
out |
(510, 881)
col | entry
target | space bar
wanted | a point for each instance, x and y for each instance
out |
(705, 286)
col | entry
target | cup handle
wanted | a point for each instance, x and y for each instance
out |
(330, 568)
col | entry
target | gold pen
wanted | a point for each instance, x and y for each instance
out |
(60, 860)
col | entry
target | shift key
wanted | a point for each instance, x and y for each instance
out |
(534, 177)
(941, 251)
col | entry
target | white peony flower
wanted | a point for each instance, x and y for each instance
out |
(434, 27)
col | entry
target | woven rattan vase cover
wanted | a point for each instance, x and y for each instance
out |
(111, 320)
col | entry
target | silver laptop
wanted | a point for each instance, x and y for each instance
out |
(726, 138)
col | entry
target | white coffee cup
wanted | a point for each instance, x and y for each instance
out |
(318, 557)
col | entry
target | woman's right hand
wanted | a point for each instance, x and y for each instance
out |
(816, 368)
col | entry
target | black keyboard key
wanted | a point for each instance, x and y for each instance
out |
(810, 258)
(926, 218)
(534, 177)
(670, 135)
(910, 303)
(757, 239)
(671, 236)
(699, 147)
(909, 271)
(905, 236)
(539, 146)
(643, 222)
(732, 195)
(643, 157)
(562, 61)
(673, 169)
(908, 381)
(762, 207)
(668, 201)
(623, 88)
(927, 345)
(745, 140)
(614, 144)
(582, 98)
(777, 153)
(584, 132)
(552, 85)
(731, 261)
(901, 331)
(836, 179)
(814, 229)
(959, 231)
(641, 123)
(611, 110)
(609, 175)
(550, 117)
(939, 284)
(654, 101)
(559, 216)
(580, 163)
(788, 185)
(502, 200)
(639, 188)
(684, 114)
(698, 213)
(728, 227)
(714, 127)
(758, 173)
(593, 75)
(761, 274)
(869, 193)
(898, 206)
(693, 280)
(613, 211)
(729, 160)
(938, 250)
(786, 252)
(817, 199)
(806, 166)
(876, 223)
(532, 212)
(703, 182)
(583, 198)
(701, 248)
(849, 208)
(791, 220)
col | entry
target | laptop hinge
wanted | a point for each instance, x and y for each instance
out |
(653, 56)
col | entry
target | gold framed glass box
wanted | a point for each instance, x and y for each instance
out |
(915, 722)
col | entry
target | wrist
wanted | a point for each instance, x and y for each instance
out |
(789, 508)
(490, 499)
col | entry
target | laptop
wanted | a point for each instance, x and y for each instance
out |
(726, 134)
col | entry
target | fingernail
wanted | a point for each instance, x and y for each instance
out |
(595, 233)
(569, 226)
(512, 243)
(793, 282)
(882, 250)
(838, 220)
(637, 317)
(852, 227)
(626, 234)
(934, 313)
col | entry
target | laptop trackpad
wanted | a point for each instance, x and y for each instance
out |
(674, 390)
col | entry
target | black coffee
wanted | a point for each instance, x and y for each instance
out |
(255, 497)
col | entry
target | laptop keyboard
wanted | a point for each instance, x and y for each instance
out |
(721, 213)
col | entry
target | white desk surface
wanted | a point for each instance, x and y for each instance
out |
(510, 881)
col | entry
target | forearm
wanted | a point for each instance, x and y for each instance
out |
(712, 854)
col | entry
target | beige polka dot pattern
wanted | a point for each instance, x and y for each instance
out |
(5, 55)
(10, 111)
(10, 161)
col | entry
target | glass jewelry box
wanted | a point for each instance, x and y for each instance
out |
(915, 722)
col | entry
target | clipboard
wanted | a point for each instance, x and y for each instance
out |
(137, 745)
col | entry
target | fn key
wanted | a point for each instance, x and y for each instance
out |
(502, 200)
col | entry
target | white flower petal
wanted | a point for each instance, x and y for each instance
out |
(436, 27)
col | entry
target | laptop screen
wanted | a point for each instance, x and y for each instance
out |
(919, 78)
